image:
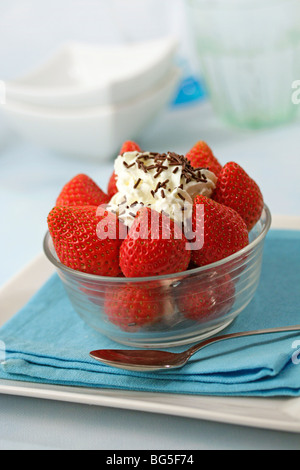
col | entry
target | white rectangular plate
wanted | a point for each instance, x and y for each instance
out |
(268, 413)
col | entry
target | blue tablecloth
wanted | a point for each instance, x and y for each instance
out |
(47, 342)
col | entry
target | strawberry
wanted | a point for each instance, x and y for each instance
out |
(132, 307)
(94, 292)
(237, 190)
(223, 230)
(81, 191)
(201, 156)
(205, 301)
(130, 146)
(112, 185)
(154, 245)
(78, 241)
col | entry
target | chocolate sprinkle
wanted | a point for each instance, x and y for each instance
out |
(130, 166)
(137, 183)
(157, 187)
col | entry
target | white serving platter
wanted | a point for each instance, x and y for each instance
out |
(267, 413)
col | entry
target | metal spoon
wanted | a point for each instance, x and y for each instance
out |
(149, 360)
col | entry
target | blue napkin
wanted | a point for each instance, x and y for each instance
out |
(47, 342)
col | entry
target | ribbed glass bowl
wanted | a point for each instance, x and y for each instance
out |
(186, 307)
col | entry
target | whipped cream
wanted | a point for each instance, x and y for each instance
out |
(164, 182)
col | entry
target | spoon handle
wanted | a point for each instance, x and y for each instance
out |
(216, 339)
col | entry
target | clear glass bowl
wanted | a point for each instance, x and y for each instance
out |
(184, 307)
(249, 55)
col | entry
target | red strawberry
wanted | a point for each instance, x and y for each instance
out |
(201, 156)
(222, 229)
(154, 245)
(132, 307)
(130, 146)
(81, 191)
(237, 190)
(112, 186)
(206, 301)
(78, 242)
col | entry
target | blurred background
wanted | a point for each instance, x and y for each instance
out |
(78, 77)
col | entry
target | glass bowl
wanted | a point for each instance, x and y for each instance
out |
(183, 308)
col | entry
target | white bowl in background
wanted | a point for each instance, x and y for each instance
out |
(81, 74)
(95, 132)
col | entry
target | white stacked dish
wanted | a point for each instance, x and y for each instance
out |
(86, 99)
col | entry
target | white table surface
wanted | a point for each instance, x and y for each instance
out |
(30, 179)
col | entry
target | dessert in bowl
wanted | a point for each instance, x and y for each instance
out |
(170, 254)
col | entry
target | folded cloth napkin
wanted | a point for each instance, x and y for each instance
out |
(47, 342)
